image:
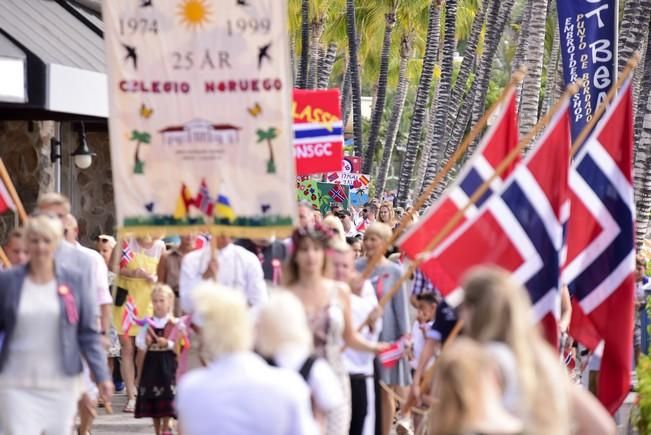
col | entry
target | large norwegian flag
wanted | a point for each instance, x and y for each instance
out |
(519, 228)
(500, 139)
(601, 247)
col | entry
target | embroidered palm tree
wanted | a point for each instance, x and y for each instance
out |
(269, 135)
(141, 138)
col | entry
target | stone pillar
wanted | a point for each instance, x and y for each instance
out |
(25, 150)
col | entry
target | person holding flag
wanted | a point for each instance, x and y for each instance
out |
(139, 258)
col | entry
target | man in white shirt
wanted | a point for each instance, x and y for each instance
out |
(88, 402)
(231, 266)
(238, 393)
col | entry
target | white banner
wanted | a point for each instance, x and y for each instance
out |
(200, 115)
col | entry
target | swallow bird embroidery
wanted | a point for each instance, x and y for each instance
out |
(131, 55)
(146, 3)
(263, 53)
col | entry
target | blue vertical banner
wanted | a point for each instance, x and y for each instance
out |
(588, 31)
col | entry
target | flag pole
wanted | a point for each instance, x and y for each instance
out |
(516, 78)
(4, 258)
(12, 191)
(499, 170)
(625, 74)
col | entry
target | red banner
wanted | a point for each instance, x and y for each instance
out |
(318, 131)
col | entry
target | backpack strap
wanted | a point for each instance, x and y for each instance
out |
(306, 368)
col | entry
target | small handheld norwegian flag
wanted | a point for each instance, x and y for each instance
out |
(127, 255)
(390, 357)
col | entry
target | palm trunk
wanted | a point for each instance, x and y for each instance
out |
(552, 66)
(632, 28)
(643, 151)
(521, 55)
(467, 65)
(534, 60)
(427, 144)
(643, 176)
(354, 75)
(305, 43)
(380, 97)
(644, 85)
(292, 59)
(316, 31)
(498, 15)
(346, 95)
(326, 67)
(396, 114)
(439, 138)
(420, 106)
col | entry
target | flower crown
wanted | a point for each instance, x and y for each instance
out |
(317, 232)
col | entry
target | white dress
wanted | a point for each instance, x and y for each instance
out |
(35, 395)
(327, 327)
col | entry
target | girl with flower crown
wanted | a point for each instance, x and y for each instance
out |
(327, 305)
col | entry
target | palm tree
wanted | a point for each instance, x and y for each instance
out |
(353, 64)
(406, 51)
(520, 56)
(305, 44)
(467, 65)
(498, 14)
(534, 61)
(633, 26)
(439, 138)
(140, 137)
(346, 94)
(420, 106)
(316, 31)
(325, 70)
(380, 98)
(643, 149)
(554, 59)
(268, 136)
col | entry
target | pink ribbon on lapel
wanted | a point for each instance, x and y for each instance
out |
(69, 304)
(277, 271)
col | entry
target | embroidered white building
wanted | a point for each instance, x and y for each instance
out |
(201, 131)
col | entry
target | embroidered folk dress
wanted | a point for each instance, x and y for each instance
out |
(157, 386)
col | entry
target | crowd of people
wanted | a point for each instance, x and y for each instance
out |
(269, 336)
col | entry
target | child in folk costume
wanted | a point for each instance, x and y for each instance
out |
(157, 386)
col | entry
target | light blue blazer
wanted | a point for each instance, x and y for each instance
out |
(79, 339)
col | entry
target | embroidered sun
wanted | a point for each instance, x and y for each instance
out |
(194, 13)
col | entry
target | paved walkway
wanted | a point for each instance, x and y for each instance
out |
(119, 422)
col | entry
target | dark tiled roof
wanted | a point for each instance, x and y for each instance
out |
(52, 33)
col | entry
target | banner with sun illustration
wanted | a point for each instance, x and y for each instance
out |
(200, 115)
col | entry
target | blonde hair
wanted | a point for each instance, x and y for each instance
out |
(167, 292)
(334, 223)
(392, 213)
(500, 310)
(458, 374)
(45, 226)
(281, 322)
(53, 198)
(226, 326)
(383, 231)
